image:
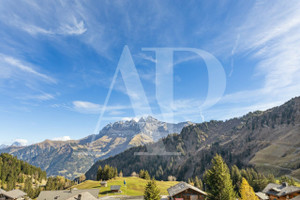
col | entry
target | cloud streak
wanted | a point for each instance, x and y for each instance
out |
(42, 22)
(40, 97)
(269, 38)
(275, 44)
(12, 65)
(87, 107)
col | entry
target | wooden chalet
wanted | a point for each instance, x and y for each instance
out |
(282, 192)
(73, 194)
(184, 191)
(262, 196)
(115, 188)
(103, 183)
(296, 198)
(12, 195)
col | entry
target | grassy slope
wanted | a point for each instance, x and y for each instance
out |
(134, 186)
(281, 157)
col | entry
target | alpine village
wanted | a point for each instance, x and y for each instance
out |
(150, 100)
(254, 157)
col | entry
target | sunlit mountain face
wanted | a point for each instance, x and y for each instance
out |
(73, 157)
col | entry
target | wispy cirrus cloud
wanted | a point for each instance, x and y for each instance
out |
(146, 57)
(24, 81)
(41, 21)
(93, 108)
(273, 46)
(274, 42)
(32, 29)
(75, 28)
(86, 107)
(13, 67)
(40, 97)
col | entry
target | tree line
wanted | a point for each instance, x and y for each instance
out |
(222, 183)
(14, 171)
(108, 172)
(144, 174)
(58, 183)
(217, 181)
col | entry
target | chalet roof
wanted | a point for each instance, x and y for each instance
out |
(2, 191)
(14, 194)
(66, 194)
(280, 190)
(262, 195)
(84, 196)
(115, 187)
(296, 198)
(182, 186)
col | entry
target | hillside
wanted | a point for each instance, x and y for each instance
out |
(14, 173)
(75, 157)
(268, 140)
(134, 186)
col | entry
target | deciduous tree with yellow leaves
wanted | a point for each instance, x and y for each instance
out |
(246, 191)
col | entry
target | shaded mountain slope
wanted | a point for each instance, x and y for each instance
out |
(269, 140)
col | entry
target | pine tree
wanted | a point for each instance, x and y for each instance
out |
(236, 177)
(151, 191)
(271, 178)
(115, 172)
(99, 173)
(246, 191)
(11, 183)
(218, 181)
(106, 170)
(28, 187)
(256, 180)
(146, 175)
(198, 183)
(142, 173)
(288, 180)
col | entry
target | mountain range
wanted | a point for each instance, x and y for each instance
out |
(74, 157)
(3, 146)
(14, 144)
(267, 140)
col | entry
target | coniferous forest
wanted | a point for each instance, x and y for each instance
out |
(13, 171)
(18, 174)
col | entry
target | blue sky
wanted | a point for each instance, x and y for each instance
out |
(58, 59)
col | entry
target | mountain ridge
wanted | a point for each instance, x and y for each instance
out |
(74, 157)
(244, 141)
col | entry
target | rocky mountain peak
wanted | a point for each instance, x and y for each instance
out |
(66, 158)
(17, 144)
